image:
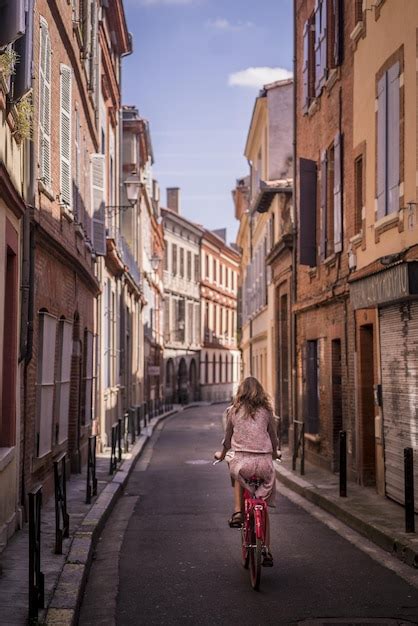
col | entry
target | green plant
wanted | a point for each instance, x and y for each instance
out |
(24, 118)
(8, 60)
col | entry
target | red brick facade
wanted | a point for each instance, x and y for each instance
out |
(324, 321)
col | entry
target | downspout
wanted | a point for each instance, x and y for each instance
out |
(295, 227)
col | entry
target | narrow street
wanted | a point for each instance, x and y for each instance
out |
(167, 555)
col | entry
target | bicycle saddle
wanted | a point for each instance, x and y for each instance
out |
(254, 481)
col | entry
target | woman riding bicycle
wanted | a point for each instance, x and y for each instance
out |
(251, 436)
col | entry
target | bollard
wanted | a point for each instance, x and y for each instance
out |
(343, 464)
(408, 456)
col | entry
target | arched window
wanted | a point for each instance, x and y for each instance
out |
(220, 369)
(206, 368)
(226, 369)
(214, 369)
(232, 369)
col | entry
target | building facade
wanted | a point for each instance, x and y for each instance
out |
(219, 357)
(263, 206)
(323, 342)
(15, 193)
(384, 250)
(182, 307)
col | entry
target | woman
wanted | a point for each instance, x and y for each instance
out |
(251, 435)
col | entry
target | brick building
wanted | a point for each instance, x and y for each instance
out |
(323, 341)
(58, 407)
(220, 365)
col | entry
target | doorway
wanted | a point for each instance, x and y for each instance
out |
(366, 406)
(337, 403)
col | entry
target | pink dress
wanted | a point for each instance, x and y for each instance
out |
(252, 440)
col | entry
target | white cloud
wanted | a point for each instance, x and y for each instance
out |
(221, 23)
(256, 77)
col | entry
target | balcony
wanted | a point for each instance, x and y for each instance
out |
(125, 254)
(181, 285)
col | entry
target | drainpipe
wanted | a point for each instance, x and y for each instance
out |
(295, 229)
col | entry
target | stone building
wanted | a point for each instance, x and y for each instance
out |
(182, 312)
(143, 232)
(117, 269)
(58, 397)
(384, 244)
(219, 357)
(263, 206)
(16, 27)
(323, 342)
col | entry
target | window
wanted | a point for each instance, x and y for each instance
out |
(331, 199)
(311, 369)
(65, 137)
(320, 45)
(358, 11)
(196, 268)
(214, 369)
(227, 277)
(45, 383)
(174, 259)
(207, 266)
(45, 104)
(189, 265)
(206, 368)
(63, 380)
(165, 254)
(358, 193)
(233, 280)
(220, 274)
(97, 162)
(220, 369)
(214, 271)
(388, 142)
(181, 262)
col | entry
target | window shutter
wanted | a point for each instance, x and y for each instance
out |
(46, 382)
(65, 137)
(323, 238)
(338, 32)
(381, 147)
(305, 70)
(393, 139)
(12, 21)
(323, 43)
(64, 381)
(307, 212)
(22, 81)
(45, 104)
(338, 205)
(122, 333)
(98, 203)
(317, 22)
(77, 180)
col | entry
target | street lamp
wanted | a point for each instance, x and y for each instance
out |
(132, 186)
(155, 262)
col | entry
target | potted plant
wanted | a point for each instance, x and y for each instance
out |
(23, 119)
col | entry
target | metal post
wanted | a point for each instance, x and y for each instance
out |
(91, 488)
(408, 456)
(60, 489)
(343, 464)
(295, 445)
(119, 431)
(36, 577)
(302, 460)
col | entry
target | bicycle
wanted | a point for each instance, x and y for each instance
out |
(253, 531)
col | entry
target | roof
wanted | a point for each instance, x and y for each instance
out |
(267, 191)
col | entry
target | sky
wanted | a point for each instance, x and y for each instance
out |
(195, 72)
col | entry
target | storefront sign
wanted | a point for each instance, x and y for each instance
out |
(391, 285)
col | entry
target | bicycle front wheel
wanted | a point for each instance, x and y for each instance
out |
(255, 562)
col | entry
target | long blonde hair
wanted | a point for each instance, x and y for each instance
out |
(250, 397)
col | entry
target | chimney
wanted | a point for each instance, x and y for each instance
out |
(173, 199)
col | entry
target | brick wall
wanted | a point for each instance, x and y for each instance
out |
(322, 307)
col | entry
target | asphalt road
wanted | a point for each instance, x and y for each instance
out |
(180, 562)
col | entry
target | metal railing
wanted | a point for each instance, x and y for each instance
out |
(62, 519)
(91, 487)
(36, 577)
(299, 444)
(131, 424)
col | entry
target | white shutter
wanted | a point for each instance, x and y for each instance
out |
(64, 380)
(76, 189)
(65, 137)
(98, 203)
(46, 381)
(88, 415)
(45, 104)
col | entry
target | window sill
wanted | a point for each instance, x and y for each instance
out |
(330, 260)
(314, 107)
(357, 240)
(46, 191)
(333, 77)
(386, 223)
(313, 438)
(357, 32)
(6, 457)
(67, 214)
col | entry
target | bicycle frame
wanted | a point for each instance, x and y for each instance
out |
(253, 535)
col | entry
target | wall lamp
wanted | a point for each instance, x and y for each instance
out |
(132, 186)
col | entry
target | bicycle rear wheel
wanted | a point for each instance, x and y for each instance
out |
(255, 561)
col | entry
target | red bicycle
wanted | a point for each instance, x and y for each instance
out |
(253, 531)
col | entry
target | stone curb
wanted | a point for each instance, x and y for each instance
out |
(397, 544)
(65, 603)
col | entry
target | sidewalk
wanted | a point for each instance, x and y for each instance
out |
(66, 574)
(379, 519)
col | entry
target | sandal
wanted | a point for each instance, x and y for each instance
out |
(236, 520)
(267, 559)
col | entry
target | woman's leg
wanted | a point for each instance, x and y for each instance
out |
(238, 497)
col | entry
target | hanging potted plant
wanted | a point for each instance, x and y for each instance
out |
(8, 60)
(23, 116)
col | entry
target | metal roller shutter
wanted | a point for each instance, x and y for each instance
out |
(399, 362)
